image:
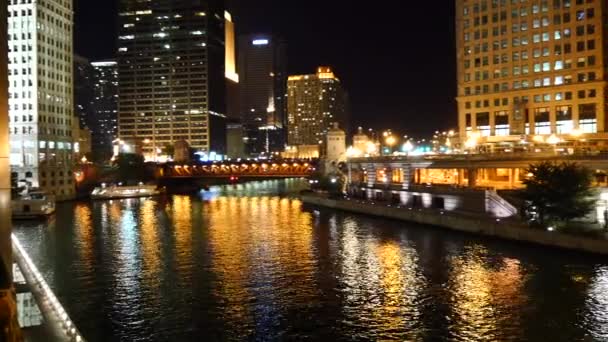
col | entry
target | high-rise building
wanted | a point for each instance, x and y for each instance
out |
(172, 87)
(41, 94)
(263, 79)
(83, 90)
(232, 76)
(314, 103)
(104, 129)
(527, 69)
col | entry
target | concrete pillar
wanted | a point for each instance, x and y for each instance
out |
(600, 112)
(460, 180)
(553, 120)
(371, 175)
(407, 176)
(350, 173)
(5, 174)
(472, 177)
(9, 326)
(575, 114)
(511, 178)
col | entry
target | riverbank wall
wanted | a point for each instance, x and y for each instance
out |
(507, 229)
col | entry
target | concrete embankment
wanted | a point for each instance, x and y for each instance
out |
(505, 229)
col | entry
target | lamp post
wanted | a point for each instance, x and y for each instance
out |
(390, 142)
(408, 147)
(553, 140)
(576, 134)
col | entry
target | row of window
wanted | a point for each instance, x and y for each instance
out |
(566, 64)
(520, 10)
(566, 48)
(29, 130)
(540, 117)
(548, 97)
(525, 84)
(565, 33)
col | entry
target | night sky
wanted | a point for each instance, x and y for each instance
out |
(397, 63)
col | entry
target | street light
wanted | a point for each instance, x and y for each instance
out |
(576, 134)
(553, 140)
(408, 147)
(472, 140)
(390, 142)
(370, 148)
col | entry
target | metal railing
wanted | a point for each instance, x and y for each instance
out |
(487, 156)
(57, 320)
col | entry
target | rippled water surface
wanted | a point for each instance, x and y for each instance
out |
(252, 262)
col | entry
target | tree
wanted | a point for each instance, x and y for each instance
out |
(131, 167)
(557, 193)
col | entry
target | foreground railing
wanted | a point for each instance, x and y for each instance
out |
(57, 321)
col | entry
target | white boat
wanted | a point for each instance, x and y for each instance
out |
(116, 192)
(33, 205)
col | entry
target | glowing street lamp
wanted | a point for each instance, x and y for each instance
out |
(472, 140)
(408, 147)
(390, 142)
(370, 148)
(553, 140)
(353, 152)
(576, 134)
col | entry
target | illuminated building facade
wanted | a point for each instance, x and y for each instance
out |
(314, 103)
(41, 94)
(263, 79)
(171, 62)
(232, 77)
(104, 129)
(532, 68)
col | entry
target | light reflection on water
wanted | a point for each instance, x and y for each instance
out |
(247, 263)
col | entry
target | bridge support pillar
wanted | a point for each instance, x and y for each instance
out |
(460, 177)
(472, 173)
(407, 176)
(371, 175)
(511, 178)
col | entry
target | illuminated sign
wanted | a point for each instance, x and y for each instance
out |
(260, 42)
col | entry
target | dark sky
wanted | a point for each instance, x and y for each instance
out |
(397, 62)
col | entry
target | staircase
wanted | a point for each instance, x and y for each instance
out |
(498, 206)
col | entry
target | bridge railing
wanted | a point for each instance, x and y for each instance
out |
(57, 321)
(489, 156)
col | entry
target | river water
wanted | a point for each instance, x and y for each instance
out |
(251, 262)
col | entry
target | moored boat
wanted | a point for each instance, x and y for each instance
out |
(33, 205)
(117, 192)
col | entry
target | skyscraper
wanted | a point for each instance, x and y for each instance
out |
(83, 90)
(105, 108)
(263, 72)
(41, 94)
(314, 103)
(172, 86)
(531, 68)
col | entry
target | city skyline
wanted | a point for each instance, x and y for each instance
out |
(386, 77)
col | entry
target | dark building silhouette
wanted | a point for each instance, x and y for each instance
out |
(262, 65)
(104, 105)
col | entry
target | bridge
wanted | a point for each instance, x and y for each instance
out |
(238, 169)
(499, 171)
